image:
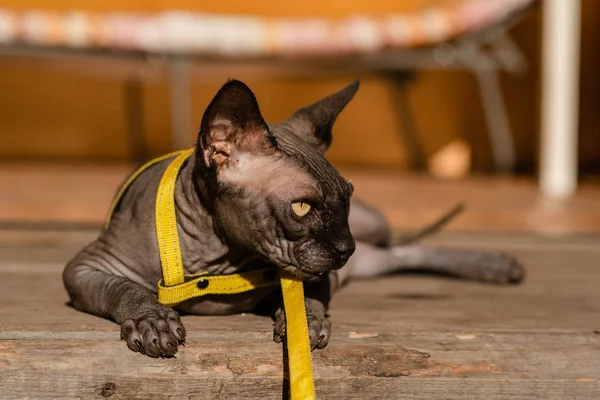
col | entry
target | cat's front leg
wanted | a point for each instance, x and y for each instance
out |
(317, 296)
(319, 326)
(147, 326)
(155, 331)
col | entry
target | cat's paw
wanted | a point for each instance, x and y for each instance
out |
(157, 333)
(500, 268)
(319, 326)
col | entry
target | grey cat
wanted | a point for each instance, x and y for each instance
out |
(252, 194)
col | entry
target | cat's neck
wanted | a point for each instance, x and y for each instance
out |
(203, 247)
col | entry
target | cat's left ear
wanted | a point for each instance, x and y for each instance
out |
(232, 123)
(314, 122)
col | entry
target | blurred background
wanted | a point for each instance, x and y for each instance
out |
(488, 103)
(460, 100)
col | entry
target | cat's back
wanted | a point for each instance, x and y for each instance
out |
(127, 246)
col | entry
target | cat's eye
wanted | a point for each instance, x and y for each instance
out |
(300, 208)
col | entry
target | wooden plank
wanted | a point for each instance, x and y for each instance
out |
(36, 299)
(409, 202)
(225, 365)
(394, 337)
(562, 280)
(359, 388)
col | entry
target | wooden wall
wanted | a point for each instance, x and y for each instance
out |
(53, 114)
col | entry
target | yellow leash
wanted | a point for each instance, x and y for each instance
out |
(298, 338)
(176, 287)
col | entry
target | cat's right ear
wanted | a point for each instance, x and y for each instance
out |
(313, 123)
(232, 123)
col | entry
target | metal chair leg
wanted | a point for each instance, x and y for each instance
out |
(181, 102)
(503, 54)
(410, 137)
(496, 117)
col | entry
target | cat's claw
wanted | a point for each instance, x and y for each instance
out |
(157, 333)
(499, 268)
(319, 326)
(320, 331)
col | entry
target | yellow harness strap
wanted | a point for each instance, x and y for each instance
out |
(202, 284)
(128, 182)
(297, 338)
(166, 224)
(176, 287)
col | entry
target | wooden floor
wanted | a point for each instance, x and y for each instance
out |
(400, 337)
(395, 337)
(82, 193)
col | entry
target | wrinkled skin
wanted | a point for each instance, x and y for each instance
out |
(234, 208)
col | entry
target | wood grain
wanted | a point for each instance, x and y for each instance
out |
(398, 337)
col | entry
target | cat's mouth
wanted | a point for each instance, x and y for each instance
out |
(304, 275)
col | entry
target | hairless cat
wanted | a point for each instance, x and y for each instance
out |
(252, 195)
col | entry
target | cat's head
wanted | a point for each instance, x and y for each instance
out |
(270, 187)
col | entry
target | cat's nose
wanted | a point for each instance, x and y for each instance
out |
(345, 248)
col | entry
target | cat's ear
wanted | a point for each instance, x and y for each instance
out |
(314, 122)
(232, 123)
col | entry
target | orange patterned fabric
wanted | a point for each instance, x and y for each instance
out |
(209, 34)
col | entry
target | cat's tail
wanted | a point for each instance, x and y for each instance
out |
(479, 265)
(402, 255)
(405, 239)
